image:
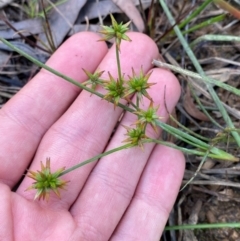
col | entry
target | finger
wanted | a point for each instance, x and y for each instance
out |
(112, 183)
(6, 227)
(27, 116)
(155, 195)
(84, 130)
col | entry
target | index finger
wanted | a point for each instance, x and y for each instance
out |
(29, 114)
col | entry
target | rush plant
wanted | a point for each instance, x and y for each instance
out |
(118, 89)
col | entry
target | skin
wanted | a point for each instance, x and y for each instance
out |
(125, 196)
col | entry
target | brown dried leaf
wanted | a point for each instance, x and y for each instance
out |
(62, 19)
(191, 108)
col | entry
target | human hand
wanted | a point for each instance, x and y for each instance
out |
(126, 195)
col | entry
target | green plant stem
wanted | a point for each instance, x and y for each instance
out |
(203, 226)
(95, 158)
(197, 76)
(119, 66)
(192, 151)
(194, 14)
(201, 72)
(202, 107)
(188, 130)
(213, 37)
(72, 81)
(137, 102)
(188, 19)
(197, 171)
(133, 105)
(53, 5)
(185, 150)
(205, 23)
(196, 142)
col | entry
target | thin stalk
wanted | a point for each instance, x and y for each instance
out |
(24, 37)
(47, 29)
(205, 23)
(183, 136)
(198, 67)
(137, 102)
(203, 226)
(190, 151)
(119, 66)
(134, 106)
(203, 108)
(188, 130)
(194, 141)
(197, 76)
(194, 14)
(190, 17)
(184, 150)
(213, 37)
(95, 158)
(197, 171)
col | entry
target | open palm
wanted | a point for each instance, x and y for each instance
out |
(124, 196)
